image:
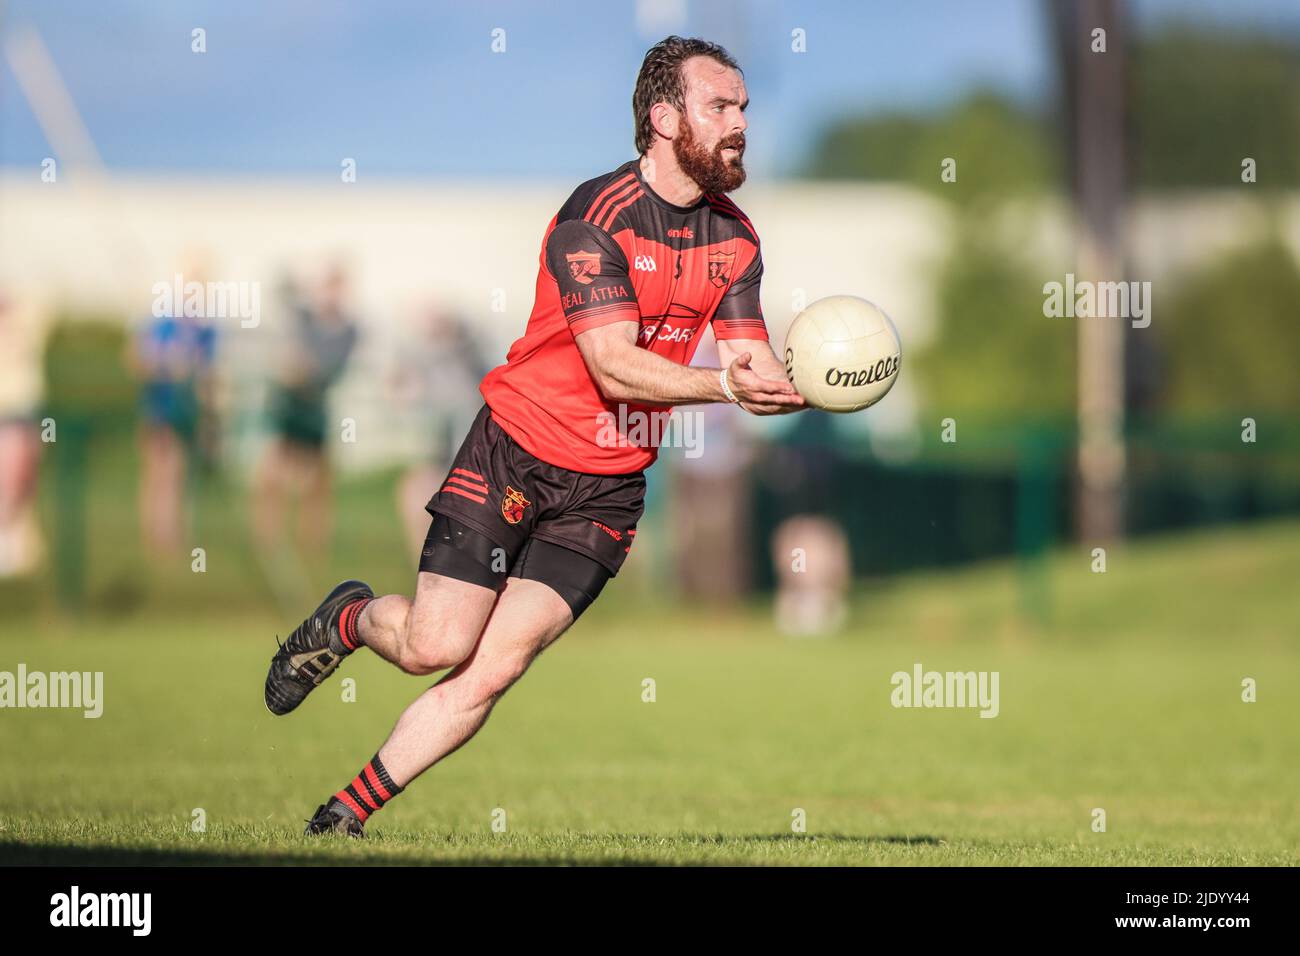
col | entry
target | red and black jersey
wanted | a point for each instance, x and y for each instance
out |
(616, 252)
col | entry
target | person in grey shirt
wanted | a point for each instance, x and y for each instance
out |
(320, 340)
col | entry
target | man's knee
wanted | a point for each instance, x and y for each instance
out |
(428, 647)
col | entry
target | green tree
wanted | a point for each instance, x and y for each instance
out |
(996, 354)
(1000, 150)
(1201, 102)
(1231, 336)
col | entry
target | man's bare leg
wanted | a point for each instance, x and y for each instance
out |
(527, 618)
(435, 631)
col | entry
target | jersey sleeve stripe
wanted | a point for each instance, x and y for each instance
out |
(600, 202)
(727, 203)
(614, 185)
(735, 213)
(613, 213)
(602, 310)
(758, 331)
(589, 321)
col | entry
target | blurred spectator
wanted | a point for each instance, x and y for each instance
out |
(810, 552)
(172, 356)
(22, 331)
(321, 337)
(811, 556)
(438, 377)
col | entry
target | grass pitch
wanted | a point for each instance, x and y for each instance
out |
(1128, 699)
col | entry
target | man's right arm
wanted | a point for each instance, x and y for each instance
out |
(625, 373)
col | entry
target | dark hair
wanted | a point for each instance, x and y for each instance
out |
(660, 79)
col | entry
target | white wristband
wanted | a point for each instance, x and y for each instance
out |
(726, 389)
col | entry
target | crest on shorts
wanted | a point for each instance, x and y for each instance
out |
(720, 267)
(513, 505)
(583, 265)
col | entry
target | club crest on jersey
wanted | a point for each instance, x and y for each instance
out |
(513, 505)
(583, 265)
(720, 267)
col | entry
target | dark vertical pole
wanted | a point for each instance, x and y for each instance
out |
(1094, 97)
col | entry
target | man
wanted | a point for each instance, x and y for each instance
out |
(540, 507)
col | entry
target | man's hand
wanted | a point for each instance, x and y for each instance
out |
(754, 367)
(759, 395)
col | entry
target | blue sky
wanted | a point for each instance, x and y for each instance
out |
(413, 89)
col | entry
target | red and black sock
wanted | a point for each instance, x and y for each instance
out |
(369, 790)
(348, 619)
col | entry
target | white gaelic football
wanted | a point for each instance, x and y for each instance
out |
(842, 353)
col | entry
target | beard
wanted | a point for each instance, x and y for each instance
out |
(706, 167)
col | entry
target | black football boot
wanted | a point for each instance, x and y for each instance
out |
(312, 652)
(334, 817)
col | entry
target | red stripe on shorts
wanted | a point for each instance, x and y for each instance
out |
(448, 489)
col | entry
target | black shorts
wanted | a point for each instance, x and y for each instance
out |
(298, 417)
(527, 507)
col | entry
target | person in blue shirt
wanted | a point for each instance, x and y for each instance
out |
(172, 356)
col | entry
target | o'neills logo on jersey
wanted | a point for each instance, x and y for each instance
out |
(720, 267)
(513, 505)
(583, 265)
(683, 233)
(852, 378)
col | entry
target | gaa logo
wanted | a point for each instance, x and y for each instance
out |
(644, 264)
(858, 377)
